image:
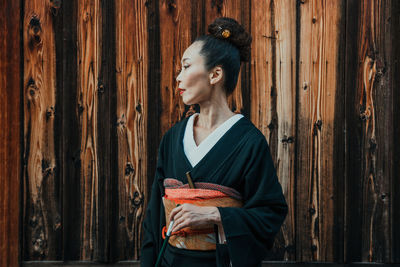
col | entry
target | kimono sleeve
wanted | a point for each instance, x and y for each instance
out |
(250, 230)
(152, 222)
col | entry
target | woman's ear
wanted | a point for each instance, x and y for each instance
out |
(216, 75)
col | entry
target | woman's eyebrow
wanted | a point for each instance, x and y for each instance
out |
(184, 59)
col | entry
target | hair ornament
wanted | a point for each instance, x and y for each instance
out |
(225, 32)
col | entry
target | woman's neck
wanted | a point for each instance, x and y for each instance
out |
(213, 113)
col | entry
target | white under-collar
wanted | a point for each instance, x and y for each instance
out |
(195, 153)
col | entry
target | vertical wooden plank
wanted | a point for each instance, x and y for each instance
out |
(57, 21)
(198, 18)
(273, 100)
(318, 86)
(106, 133)
(42, 218)
(370, 117)
(352, 232)
(261, 70)
(339, 142)
(175, 37)
(154, 109)
(70, 134)
(87, 143)
(284, 89)
(10, 134)
(89, 60)
(245, 69)
(395, 80)
(132, 68)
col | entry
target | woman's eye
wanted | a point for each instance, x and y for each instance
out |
(184, 67)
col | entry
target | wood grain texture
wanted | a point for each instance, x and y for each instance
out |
(42, 215)
(352, 220)
(395, 144)
(10, 134)
(175, 37)
(70, 138)
(370, 122)
(131, 68)
(99, 91)
(318, 84)
(245, 69)
(284, 86)
(261, 70)
(107, 136)
(273, 100)
(198, 19)
(154, 92)
(89, 60)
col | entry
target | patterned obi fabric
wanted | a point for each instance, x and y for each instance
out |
(204, 194)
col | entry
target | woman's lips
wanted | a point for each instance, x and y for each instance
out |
(181, 90)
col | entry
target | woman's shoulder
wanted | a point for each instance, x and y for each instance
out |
(256, 137)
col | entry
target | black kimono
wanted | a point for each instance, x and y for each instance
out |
(240, 159)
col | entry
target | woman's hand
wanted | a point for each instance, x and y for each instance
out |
(188, 215)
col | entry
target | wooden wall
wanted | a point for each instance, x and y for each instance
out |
(10, 133)
(98, 90)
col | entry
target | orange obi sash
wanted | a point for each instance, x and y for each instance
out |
(204, 194)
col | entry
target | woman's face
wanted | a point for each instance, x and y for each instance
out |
(193, 80)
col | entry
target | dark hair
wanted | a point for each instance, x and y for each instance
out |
(227, 44)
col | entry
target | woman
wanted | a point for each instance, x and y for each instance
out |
(221, 152)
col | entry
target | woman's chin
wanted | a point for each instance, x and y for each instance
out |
(186, 101)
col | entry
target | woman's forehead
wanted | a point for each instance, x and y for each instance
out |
(192, 52)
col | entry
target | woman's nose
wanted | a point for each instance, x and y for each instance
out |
(178, 79)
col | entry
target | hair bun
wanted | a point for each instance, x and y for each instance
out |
(230, 30)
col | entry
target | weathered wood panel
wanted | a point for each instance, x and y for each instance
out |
(106, 135)
(318, 85)
(154, 90)
(70, 145)
(284, 90)
(10, 134)
(352, 235)
(395, 141)
(339, 142)
(175, 37)
(273, 99)
(87, 116)
(132, 86)
(370, 118)
(245, 69)
(198, 17)
(261, 69)
(42, 217)
(89, 62)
